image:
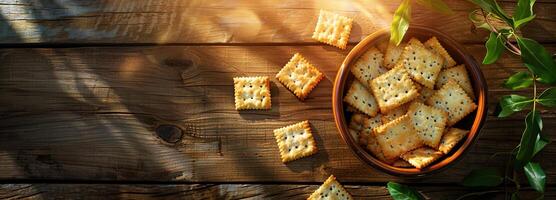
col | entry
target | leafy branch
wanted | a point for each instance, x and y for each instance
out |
(541, 69)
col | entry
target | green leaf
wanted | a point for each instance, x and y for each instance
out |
(492, 7)
(515, 195)
(535, 175)
(523, 12)
(513, 103)
(478, 19)
(519, 80)
(538, 60)
(486, 177)
(548, 97)
(437, 5)
(401, 192)
(533, 127)
(540, 143)
(495, 47)
(400, 23)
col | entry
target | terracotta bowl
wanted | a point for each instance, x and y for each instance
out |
(472, 122)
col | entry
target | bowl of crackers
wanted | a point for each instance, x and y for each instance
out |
(411, 109)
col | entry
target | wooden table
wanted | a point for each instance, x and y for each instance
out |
(134, 99)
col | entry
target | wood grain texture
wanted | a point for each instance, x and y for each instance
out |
(225, 191)
(92, 114)
(220, 21)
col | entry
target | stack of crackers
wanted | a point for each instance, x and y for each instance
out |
(405, 101)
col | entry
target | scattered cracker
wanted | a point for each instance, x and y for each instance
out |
(394, 114)
(451, 138)
(421, 157)
(392, 55)
(452, 99)
(295, 141)
(429, 122)
(352, 109)
(299, 76)
(397, 137)
(434, 45)
(359, 97)
(393, 88)
(368, 66)
(423, 65)
(402, 163)
(459, 74)
(368, 125)
(330, 190)
(333, 29)
(252, 92)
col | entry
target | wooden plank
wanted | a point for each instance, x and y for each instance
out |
(91, 113)
(218, 21)
(225, 191)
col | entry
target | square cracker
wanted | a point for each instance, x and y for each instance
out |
(429, 122)
(359, 97)
(299, 76)
(434, 45)
(375, 149)
(392, 55)
(252, 92)
(295, 141)
(368, 66)
(424, 93)
(394, 114)
(369, 123)
(330, 190)
(452, 99)
(397, 137)
(451, 138)
(333, 29)
(422, 157)
(458, 74)
(393, 88)
(422, 64)
(356, 121)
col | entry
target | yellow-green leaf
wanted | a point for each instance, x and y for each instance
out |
(519, 80)
(400, 23)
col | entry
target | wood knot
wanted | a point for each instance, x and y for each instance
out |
(176, 62)
(169, 133)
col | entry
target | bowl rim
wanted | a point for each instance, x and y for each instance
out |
(475, 74)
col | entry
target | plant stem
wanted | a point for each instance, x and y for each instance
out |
(507, 43)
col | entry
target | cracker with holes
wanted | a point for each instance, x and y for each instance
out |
(393, 88)
(429, 122)
(451, 138)
(394, 114)
(452, 99)
(333, 29)
(367, 67)
(252, 93)
(392, 55)
(359, 97)
(331, 189)
(375, 149)
(295, 141)
(368, 125)
(422, 64)
(422, 157)
(424, 93)
(397, 137)
(458, 74)
(434, 45)
(299, 76)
